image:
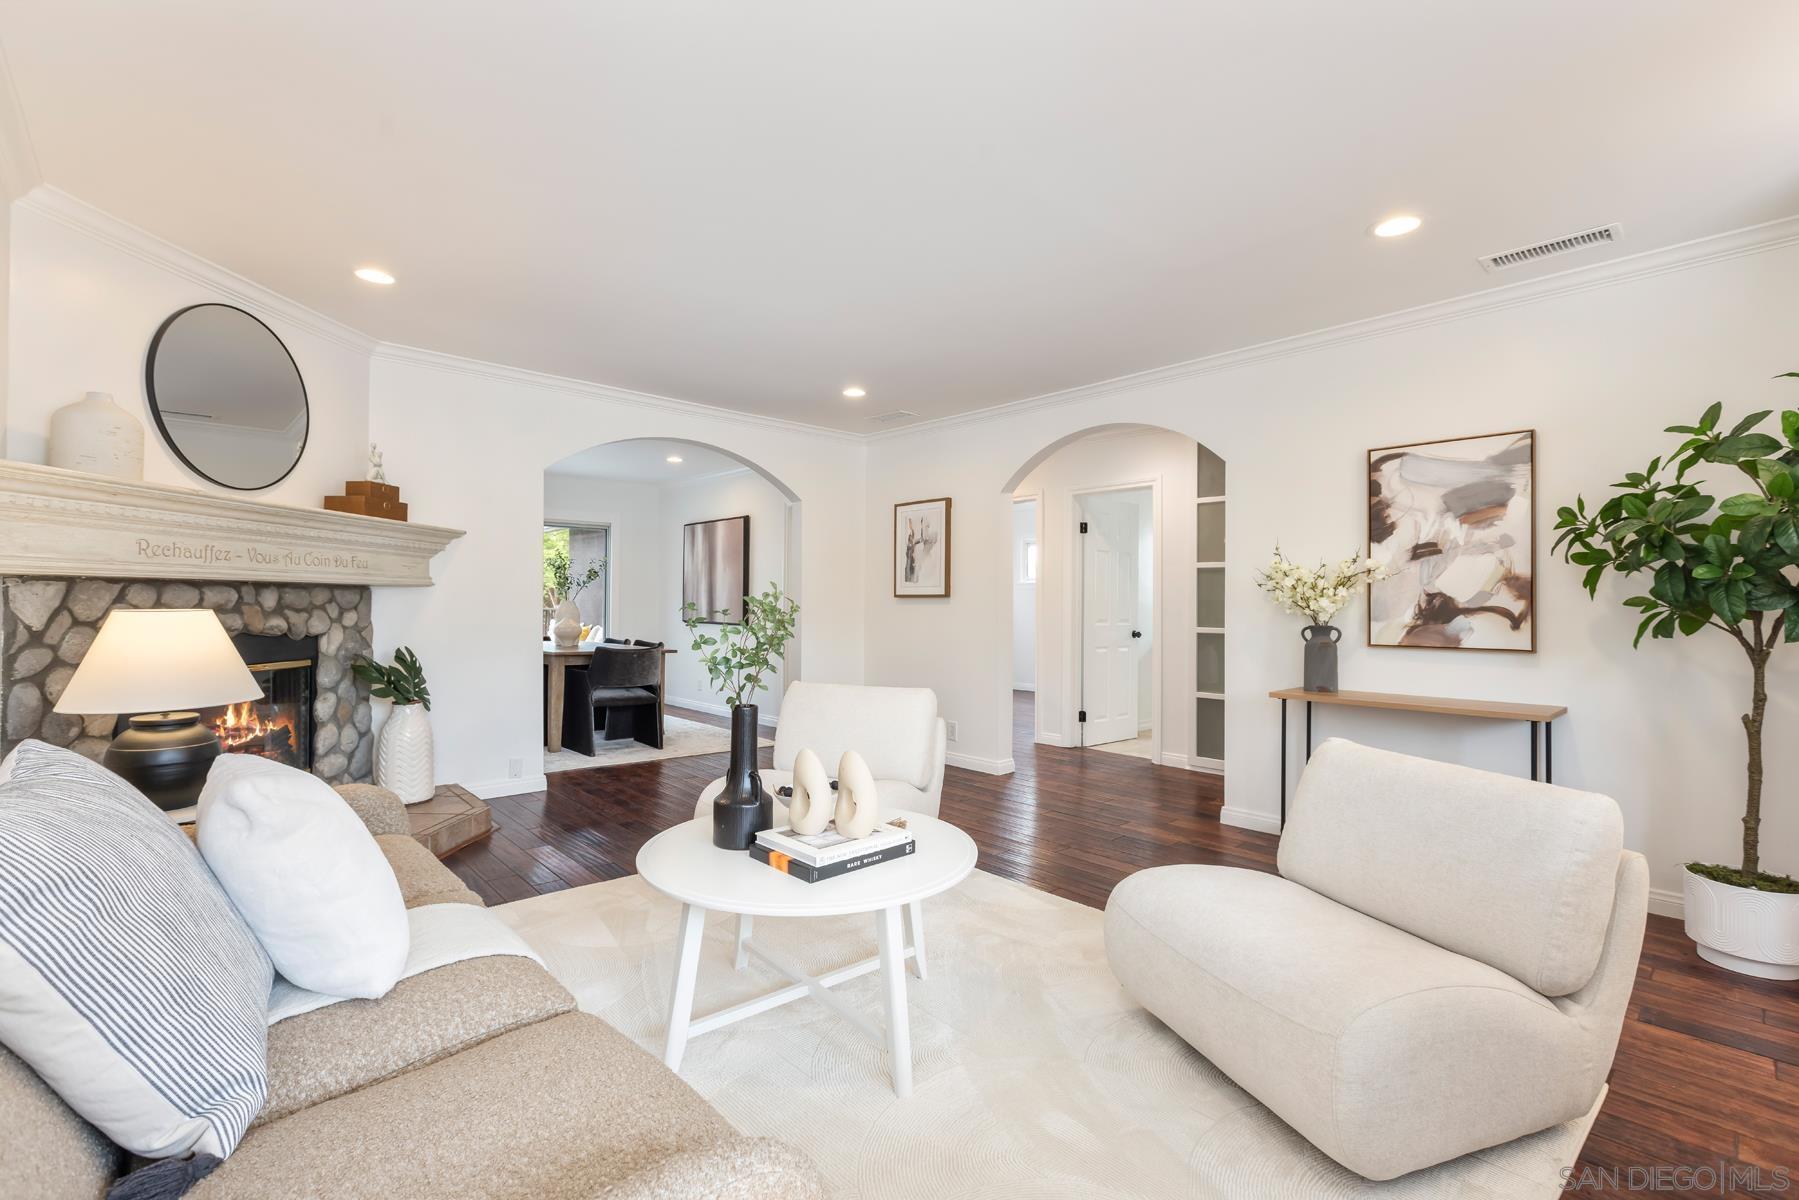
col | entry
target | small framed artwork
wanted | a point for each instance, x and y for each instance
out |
(1454, 522)
(715, 568)
(921, 548)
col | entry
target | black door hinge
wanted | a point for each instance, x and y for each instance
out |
(1082, 718)
(1083, 527)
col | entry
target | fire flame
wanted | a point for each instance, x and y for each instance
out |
(243, 729)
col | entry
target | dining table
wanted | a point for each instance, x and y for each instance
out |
(557, 658)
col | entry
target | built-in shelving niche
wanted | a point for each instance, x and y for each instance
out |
(1208, 675)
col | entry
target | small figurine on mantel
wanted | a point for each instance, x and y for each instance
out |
(371, 497)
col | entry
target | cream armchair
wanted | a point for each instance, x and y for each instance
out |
(897, 730)
(1442, 965)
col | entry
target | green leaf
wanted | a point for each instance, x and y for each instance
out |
(1708, 571)
(1748, 504)
(1786, 534)
(1709, 421)
(1750, 422)
(1741, 446)
(1754, 534)
(1634, 506)
(1730, 601)
(1642, 628)
(1593, 576)
(1780, 485)
(1691, 623)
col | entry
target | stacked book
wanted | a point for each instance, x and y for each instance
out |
(818, 856)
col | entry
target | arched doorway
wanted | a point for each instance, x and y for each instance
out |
(646, 525)
(1120, 597)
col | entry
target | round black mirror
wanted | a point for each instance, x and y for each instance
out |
(227, 396)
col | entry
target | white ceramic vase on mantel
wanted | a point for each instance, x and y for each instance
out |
(96, 435)
(403, 757)
(1742, 929)
(565, 626)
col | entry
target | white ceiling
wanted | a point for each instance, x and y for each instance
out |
(645, 460)
(954, 204)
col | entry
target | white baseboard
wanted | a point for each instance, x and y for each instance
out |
(1025, 687)
(1049, 739)
(1171, 759)
(1246, 818)
(719, 710)
(1667, 903)
(986, 766)
(1205, 766)
(508, 787)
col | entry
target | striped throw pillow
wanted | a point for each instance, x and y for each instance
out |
(127, 979)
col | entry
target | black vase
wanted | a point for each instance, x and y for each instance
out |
(1321, 656)
(744, 808)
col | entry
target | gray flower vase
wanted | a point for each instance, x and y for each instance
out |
(1321, 657)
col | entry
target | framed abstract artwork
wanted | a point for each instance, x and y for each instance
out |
(1454, 524)
(921, 548)
(715, 568)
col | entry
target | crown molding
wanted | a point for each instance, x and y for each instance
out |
(1738, 243)
(103, 227)
(499, 373)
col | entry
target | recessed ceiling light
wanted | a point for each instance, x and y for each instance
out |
(374, 275)
(673, 458)
(854, 393)
(1397, 226)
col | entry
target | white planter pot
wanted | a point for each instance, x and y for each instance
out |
(1743, 930)
(565, 629)
(403, 759)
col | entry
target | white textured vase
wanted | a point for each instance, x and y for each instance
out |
(95, 435)
(566, 627)
(403, 759)
(1743, 930)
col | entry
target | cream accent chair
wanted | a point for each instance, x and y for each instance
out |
(1442, 964)
(897, 730)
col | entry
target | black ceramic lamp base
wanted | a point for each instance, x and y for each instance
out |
(165, 756)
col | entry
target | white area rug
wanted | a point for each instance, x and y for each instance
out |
(1035, 1077)
(681, 739)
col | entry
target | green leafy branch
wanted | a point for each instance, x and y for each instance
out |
(403, 683)
(738, 658)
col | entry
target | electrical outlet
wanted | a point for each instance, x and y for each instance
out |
(515, 768)
(950, 730)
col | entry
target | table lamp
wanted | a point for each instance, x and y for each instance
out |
(158, 664)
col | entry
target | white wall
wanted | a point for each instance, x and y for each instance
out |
(740, 493)
(1168, 462)
(637, 548)
(470, 443)
(89, 293)
(1597, 366)
(1024, 600)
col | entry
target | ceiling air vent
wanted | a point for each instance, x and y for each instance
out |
(895, 417)
(1604, 235)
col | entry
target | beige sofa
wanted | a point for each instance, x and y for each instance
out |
(1442, 965)
(478, 1079)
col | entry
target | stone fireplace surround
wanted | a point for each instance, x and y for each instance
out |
(47, 625)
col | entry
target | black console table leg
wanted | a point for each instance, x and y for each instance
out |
(1308, 731)
(1549, 752)
(1283, 763)
(1533, 750)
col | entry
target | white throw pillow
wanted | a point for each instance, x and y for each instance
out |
(307, 876)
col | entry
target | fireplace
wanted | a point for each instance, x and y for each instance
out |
(278, 726)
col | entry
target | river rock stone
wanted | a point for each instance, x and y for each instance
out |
(59, 625)
(268, 596)
(331, 670)
(91, 747)
(140, 595)
(325, 740)
(320, 595)
(317, 623)
(180, 595)
(217, 596)
(90, 598)
(233, 623)
(330, 766)
(24, 711)
(59, 729)
(54, 683)
(74, 644)
(31, 661)
(34, 601)
(99, 725)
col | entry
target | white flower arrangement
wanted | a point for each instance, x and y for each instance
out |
(1321, 592)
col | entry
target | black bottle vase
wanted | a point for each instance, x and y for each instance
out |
(744, 808)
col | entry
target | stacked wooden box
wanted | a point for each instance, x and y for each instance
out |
(369, 499)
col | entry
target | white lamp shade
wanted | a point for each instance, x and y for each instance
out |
(159, 660)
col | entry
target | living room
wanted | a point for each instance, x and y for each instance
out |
(1308, 396)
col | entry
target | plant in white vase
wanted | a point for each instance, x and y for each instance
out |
(1318, 593)
(403, 756)
(561, 584)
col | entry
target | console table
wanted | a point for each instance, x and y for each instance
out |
(1538, 716)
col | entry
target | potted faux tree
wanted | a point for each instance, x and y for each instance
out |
(738, 659)
(1726, 567)
(403, 756)
(561, 584)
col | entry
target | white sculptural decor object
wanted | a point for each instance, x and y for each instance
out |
(565, 625)
(376, 473)
(858, 804)
(95, 435)
(404, 755)
(812, 805)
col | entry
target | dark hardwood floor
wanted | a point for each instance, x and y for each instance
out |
(1707, 1073)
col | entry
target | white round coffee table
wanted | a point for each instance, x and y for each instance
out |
(682, 863)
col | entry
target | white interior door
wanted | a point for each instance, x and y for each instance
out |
(1108, 623)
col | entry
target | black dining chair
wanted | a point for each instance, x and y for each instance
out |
(617, 696)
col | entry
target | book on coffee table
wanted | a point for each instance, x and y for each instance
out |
(842, 866)
(829, 846)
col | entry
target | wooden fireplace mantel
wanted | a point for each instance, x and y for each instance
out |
(56, 523)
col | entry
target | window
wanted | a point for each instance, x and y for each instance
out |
(586, 550)
(1027, 561)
